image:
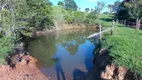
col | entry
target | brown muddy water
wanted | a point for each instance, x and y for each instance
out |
(64, 55)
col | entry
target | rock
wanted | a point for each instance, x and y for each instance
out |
(113, 72)
(13, 65)
(110, 69)
(106, 76)
(109, 72)
(21, 45)
(122, 71)
(104, 52)
(23, 62)
(102, 59)
(28, 76)
(19, 48)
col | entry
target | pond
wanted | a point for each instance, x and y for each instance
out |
(63, 55)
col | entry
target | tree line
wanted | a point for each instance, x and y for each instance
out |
(128, 12)
(73, 14)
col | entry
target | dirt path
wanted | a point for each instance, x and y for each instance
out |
(22, 71)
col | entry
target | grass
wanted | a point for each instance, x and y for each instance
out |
(127, 47)
(106, 20)
(5, 48)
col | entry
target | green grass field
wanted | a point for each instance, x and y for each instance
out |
(126, 46)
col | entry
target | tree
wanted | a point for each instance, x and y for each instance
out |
(70, 5)
(87, 9)
(41, 14)
(60, 3)
(90, 18)
(116, 6)
(110, 8)
(92, 10)
(79, 9)
(19, 14)
(100, 6)
(48, 3)
(132, 10)
(7, 18)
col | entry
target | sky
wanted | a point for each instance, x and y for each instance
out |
(88, 3)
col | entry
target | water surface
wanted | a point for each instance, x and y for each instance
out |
(65, 54)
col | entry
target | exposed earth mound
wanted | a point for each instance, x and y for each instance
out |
(113, 72)
(24, 70)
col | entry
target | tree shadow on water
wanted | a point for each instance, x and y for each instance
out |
(81, 75)
(101, 60)
(59, 70)
(78, 74)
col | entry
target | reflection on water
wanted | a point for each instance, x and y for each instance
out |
(59, 70)
(63, 54)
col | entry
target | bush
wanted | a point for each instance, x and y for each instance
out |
(42, 14)
(75, 17)
(79, 17)
(90, 19)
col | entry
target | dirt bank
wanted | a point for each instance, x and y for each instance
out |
(22, 71)
(104, 69)
(113, 72)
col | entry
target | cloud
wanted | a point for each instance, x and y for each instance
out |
(92, 0)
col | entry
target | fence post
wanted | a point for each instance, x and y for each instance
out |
(116, 24)
(139, 24)
(100, 32)
(112, 28)
(124, 22)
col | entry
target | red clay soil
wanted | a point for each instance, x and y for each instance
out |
(22, 71)
(113, 72)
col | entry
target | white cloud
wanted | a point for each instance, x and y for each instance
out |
(92, 0)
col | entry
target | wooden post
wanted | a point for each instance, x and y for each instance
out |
(100, 32)
(137, 23)
(116, 24)
(112, 30)
(0, 16)
(124, 22)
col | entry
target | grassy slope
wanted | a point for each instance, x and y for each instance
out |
(127, 46)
